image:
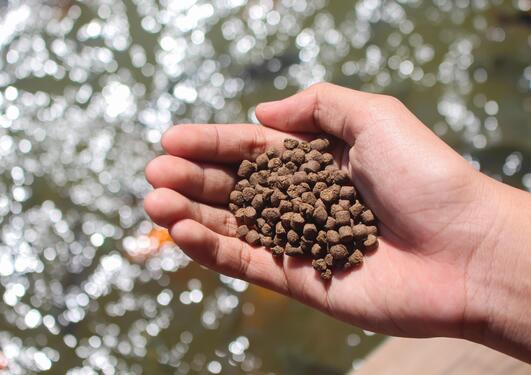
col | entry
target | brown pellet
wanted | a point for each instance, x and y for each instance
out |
(310, 166)
(308, 197)
(285, 206)
(370, 242)
(328, 158)
(342, 217)
(252, 237)
(290, 143)
(298, 156)
(266, 241)
(249, 215)
(321, 238)
(339, 252)
(274, 164)
(305, 146)
(355, 210)
(319, 264)
(309, 231)
(284, 171)
(372, 229)
(359, 230)
(367, 216)
(277, 197)
(286, 219)
(300, 177)
(242, 184)
(237, 198)
(283, 182)
(280, 240)
(286, 156)
(291, 166)
(267, 230)
(319, 144)
(319, 203)
(306, 210)
(332, 237)
(297, 202)
(293, 237)
(246, 168)
(335, 208)
(240, 213)
(272, 153)
(297, 221)
(277, 251)
(330, 223)
(242, 231)
(320, 215)
(347, 192)
(262, 160)
(248, 194)
(306, 244)
(258, 202)
(345, 234)
(271, 214)
(314, 155)
(329, 196)
(317, 250)
(344, 203)
(340, 177)
(356, 257)
(327, 274)
(313, 178)
(259, 178)
(280, 229)
(293, 250)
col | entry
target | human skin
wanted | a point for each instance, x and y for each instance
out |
(453, 258)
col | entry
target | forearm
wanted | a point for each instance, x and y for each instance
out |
(499, 313)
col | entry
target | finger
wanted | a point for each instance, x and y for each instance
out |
(166, 207)
(221, 143)
(322, 107)
(233, 257)
(291, 276)
(229, 255)
(207, 183)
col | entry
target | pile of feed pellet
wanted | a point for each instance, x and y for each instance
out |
(297, 202)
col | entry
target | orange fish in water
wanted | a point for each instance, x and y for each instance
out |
(3, 361)
(156, 238)
(160, 234)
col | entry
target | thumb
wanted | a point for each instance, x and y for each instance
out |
(322, 107)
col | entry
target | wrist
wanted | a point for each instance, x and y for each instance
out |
(498, 285)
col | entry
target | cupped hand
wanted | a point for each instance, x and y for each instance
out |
(421, 281)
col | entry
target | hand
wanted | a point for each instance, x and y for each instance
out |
(436, 212)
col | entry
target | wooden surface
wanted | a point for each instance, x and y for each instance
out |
(400, 356)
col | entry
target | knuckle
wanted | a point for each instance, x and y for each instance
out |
(388, 102)
(258, 143)
(321, 86)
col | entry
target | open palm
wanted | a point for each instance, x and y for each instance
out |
(424, 194)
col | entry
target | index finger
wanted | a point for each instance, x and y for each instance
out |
(222, 143)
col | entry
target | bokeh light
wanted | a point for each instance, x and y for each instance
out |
(88, 284)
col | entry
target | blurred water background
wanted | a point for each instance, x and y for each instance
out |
(88, 87)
